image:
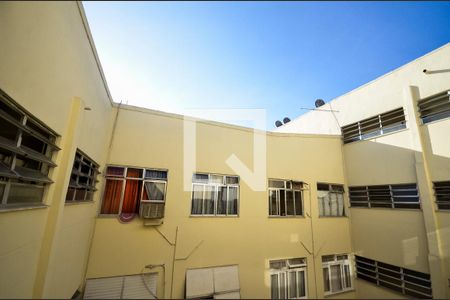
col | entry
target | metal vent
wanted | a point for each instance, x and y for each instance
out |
(377, 125)
(389, 196)
(435, 107)
(442, 192)
(408, 282)
(151, 210)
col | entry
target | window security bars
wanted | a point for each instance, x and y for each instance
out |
(82, 179)
(26, 151)
(435, 107)
(442, 193)
(405, 281)
(389, 196)
(390, 121)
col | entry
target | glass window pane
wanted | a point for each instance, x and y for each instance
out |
(197, 199)
(297, 185)
(322, 196)
(273, 211)
(276, 184)
(216, 179)
(24, 193)
(222, 201)
(298, 203)
(131, 195)
(208, 208)
(70, 194)
(336, 280)
(201, 178)
(333, 204)
(326, 280)
(292, 284)
(114, 171)
(232, 200)
(156, 174)
(301, 283)
(111, 197)
(155, 190)
(274, 286)
(282, 203)
(348, 279)
(340, 200)
(282, 285)
(134, 173)
(232, 180)
(277, 264)
(290, 203)
(80, 194)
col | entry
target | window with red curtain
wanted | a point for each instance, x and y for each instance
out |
(125, 185)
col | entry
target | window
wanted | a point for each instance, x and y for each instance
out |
(384, 123)
(83, 179)
(442, 193)
(412, 283)
(213, 283)
(331, 200)
(127, 187)
(139, 286)
(435, 107)
(390, 196)
(215, 195)
(288, 278)
(26, 151)
(285, 198)
(337, 275)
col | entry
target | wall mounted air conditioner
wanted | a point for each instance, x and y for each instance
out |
(149, 210)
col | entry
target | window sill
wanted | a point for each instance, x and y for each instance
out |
(213, 216)
(6, 209)
(286, 217)
(69, 203)
(338, 293)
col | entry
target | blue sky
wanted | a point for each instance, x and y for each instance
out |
(278, 56)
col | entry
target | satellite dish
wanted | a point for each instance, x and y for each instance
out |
(286, 120)
(319, 102)
(278, 123)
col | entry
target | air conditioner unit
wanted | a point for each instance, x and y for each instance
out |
(149, 210)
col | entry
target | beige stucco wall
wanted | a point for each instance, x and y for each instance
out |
(150, 139)
(45, 61)
(380, 95)
(395, 158)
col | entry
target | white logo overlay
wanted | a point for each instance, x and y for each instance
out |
(256, 178)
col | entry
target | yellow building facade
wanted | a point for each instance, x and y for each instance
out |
(302, 236)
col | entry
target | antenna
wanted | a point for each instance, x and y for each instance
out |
(286, 120)
(278, 123)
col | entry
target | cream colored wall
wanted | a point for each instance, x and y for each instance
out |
(45, 61)
(378, 96)
(150, 139)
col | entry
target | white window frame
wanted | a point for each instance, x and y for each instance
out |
(331, 191)
(124, 178)
(288, 186)
(285, 271)
(341, 263)
(216, 186)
